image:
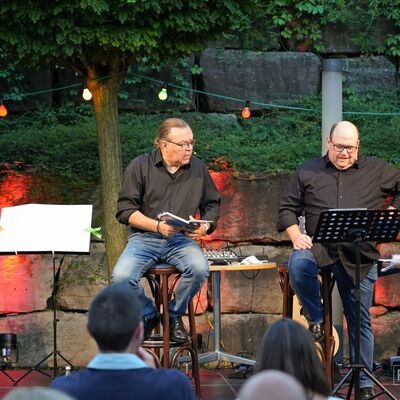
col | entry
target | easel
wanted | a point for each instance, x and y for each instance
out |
(58, 229)
(358, 225)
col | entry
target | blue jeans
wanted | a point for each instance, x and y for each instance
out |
(144, 250)
(303, 274)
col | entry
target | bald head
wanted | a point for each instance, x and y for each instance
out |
(343, 143)
(346, 127)
(272, 385)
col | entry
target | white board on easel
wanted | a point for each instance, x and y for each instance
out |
(45, 228)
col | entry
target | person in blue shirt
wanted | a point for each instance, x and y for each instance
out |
(122, 369)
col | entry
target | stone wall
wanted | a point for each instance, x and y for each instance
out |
(233, 75)
(257, 76)
(250, 301)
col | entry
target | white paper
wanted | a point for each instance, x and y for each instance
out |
(393, 263)
(45, 228)
(251, 260)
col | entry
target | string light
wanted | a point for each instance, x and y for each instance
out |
(180, 87)
(246, 110)
(3, 109)
(87, 94)
(163, 93)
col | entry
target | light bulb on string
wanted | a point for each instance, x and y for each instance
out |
(246, 110)
(3, 109)
(87, 94)
(163, 93)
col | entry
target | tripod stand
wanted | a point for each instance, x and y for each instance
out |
(6, 374)
(355, 225)
(55, 352)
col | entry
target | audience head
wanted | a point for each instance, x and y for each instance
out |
(288, 346)
(115, 318)
(272, 385)
(36, 393)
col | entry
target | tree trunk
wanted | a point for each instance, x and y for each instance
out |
(105, 104)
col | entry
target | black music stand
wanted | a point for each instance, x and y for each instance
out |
(357, 225)
(46, 229)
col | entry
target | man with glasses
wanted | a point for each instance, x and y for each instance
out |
(341, 179)
(168, 179)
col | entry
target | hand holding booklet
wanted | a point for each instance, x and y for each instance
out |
(178, 222)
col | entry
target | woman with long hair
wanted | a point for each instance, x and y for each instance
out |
(287, 346)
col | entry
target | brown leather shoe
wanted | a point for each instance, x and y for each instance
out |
(367, 393)
(177, 331)
(317, 331)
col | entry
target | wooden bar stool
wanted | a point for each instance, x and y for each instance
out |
(329, 343)
(162, 279)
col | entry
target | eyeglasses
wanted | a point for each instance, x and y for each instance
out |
(339, 148)
(183, 146)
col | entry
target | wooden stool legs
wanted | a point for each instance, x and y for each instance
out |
(162, 280)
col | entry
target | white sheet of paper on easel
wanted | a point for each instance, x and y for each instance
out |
(37, 228)
(393, 263)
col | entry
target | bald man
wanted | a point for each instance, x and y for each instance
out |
(343, 178)
(272, 385)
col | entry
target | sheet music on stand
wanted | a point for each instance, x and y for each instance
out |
(45, 228)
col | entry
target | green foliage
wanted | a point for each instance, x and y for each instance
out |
(94, 32)
(57, 145)
(391, 11)
(296, 25)
(373, 25)
(196, 70)
(376, 26)
(64, 141)
(379, 133)
(11, 78)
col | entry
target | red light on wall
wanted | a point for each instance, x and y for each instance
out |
(14, 189)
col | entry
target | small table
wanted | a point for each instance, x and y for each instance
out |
(217, 354)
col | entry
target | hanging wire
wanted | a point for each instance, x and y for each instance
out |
(211, 94)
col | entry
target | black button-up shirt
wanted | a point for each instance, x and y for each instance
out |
(148, 187)
(317, 186)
